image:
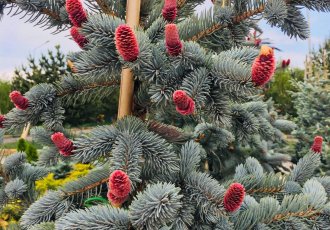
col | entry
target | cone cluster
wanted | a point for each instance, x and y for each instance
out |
(77, 16)
(185, 105)
(285, 63)
(119, 187)
(76, 12)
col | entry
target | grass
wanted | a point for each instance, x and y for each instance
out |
(13, 145)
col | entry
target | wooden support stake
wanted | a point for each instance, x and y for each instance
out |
(26, 130)
(125, 105)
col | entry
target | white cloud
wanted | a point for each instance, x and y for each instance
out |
(19, 40)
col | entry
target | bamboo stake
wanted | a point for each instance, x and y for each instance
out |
(127, 79)
(26, 130)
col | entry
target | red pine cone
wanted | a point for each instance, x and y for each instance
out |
(257, 42)
(264, 66)
(285, 63)
(77, 37)
(19, 101)
(169, 10)
(76, 12)
(180, 98)
(234, 197)
(172, 40)
(185, 105)
(126, 43)
(116, 201)
(119, 184)
(288, 62)
(2, 119)
(317, 145)
(63, 144)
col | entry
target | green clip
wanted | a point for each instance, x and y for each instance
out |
(95, 200)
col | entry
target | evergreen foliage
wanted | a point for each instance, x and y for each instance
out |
(51, 68)
(5, 104)
(31, 153)
(29, 149)
(21, 145)
(279, 89)
(320, 61)
(313, 109)
(179, 164)
(48, 69)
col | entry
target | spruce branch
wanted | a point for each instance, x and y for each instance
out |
(96, 217)
(51, 14)
(168, 132)
(54, 15)
(127, 156)
(105, 8)
(44, 226)
(91, 181)
(236, 20)
(181, 3)
(265, 190)
(305, 168)
(88, 187)
(302, 214)
(55, 204)
(88, 87)
(156, 206)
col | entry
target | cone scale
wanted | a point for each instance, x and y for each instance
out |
(184, 104)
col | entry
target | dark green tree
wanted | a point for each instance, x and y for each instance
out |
(279, 89)
(21, 145)
(31, 153)
(5, 104)
(29, 149)
(47, 69)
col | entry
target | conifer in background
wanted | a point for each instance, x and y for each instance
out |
(50, 68)
(312, 102)
(180, 162)
(21, 145)
(280, 87)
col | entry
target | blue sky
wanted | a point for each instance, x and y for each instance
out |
(19, 39)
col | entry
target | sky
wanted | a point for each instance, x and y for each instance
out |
(18, 40)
